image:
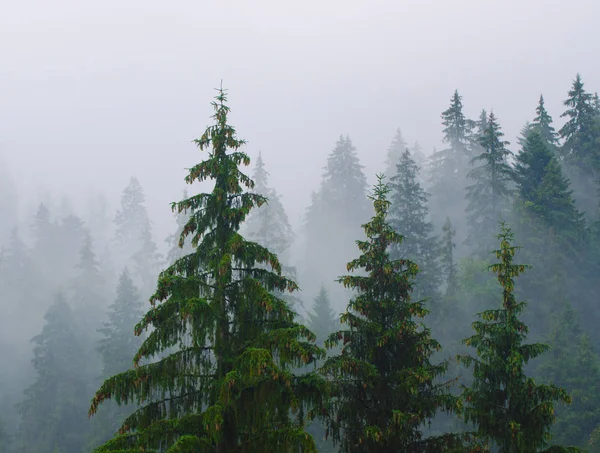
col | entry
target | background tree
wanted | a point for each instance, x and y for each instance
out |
(230, 387)
(487, 196)
(409, 214)
(53, 412)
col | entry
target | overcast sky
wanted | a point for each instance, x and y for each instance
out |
(92, 92)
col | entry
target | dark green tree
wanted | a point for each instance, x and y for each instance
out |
(506, 406)
(409, 214)
(53, 412)
(229, 387)
(384, 387)
(490, 191)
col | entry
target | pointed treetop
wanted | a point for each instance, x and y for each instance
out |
(543, 122)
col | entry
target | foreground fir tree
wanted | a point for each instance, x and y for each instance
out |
(507, 407)
(229, 388)
(383, 380)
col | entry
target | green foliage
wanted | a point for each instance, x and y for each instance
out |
(383, 390)
(505, 405)
(228, 386)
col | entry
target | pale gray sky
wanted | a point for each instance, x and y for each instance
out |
(94, 91)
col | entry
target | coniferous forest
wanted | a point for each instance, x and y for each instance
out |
(451, 306)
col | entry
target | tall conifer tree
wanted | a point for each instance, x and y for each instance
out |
(507, 407)
(228, 389)
(383, 379)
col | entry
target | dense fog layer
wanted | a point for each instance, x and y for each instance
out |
(474, 113)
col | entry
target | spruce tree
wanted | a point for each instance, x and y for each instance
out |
(383, 379)
(409, 215)
(506, 406)
(488, 195)
(228, 389)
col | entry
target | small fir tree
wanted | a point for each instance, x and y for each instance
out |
(228, 388)
(384, 387)
(543, 124)
(507, 407)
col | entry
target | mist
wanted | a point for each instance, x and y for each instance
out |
(95, 94)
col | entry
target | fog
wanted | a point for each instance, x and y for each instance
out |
(95, 93)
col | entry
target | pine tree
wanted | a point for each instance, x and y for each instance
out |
(409, 215)
(505, 405)
(53, 411)
(322, 321)
(448, 167)
(394, 152)
(230, 388)
(543, 124)
(384, 390)
(488, 194)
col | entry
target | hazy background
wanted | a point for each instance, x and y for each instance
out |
(93, 92)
